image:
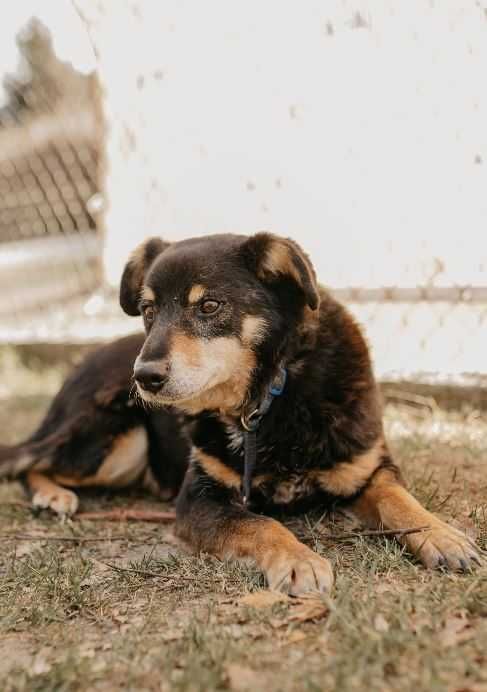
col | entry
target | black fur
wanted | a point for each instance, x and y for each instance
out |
(91, 412)
(321, 444)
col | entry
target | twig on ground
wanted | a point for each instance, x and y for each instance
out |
(17, 503)
(133, 570)
(377, 532)
(47, 537)
(127, 515)
(143, 572)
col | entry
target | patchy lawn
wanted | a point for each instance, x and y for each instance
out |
(125, 607)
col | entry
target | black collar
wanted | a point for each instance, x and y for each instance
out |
(250, 424)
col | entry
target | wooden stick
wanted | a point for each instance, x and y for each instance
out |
(127, 515)
(47, 537)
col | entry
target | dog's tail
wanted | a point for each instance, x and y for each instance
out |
(17, 459)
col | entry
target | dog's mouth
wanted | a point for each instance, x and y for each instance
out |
(165, 397)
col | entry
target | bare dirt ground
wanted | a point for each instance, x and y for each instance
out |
(122, 606)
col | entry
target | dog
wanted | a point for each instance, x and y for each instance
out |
(96, 435)
(278, 378)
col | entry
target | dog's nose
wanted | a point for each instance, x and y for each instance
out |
(150, 376)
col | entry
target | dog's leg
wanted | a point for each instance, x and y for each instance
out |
(210, 521)
(385, 503)
(48, 494)
(123, 465)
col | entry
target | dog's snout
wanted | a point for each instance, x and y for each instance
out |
(151, 376)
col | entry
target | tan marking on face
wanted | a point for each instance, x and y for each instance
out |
(187, 348)
(123, 466)
(196, 293)
(346, 478)
(253, 329)
(204, 374)
(229, 395)
(148, 294)
(217, 469)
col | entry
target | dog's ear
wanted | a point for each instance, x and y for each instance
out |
(271, 257)
(135, 270)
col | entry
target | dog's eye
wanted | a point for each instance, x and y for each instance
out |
(208, 307)
(149, 313)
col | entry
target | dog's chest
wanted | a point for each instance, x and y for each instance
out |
(275, 481)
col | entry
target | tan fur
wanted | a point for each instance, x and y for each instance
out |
(187, 347)
(253, 329)
(346, 478)
(136, 260)
(148, 294)
(385, 503)
(125, 463)
(228, 396)
(196, 293)
(47, 494)
(217, 469)
(294, 488)
(278, 260)
(289, 565)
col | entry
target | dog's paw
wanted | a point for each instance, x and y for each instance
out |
(443, 546)
(62, 501)
(299, 572)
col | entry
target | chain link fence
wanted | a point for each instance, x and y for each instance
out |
(49, 162)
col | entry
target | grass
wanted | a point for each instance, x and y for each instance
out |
(134, 611)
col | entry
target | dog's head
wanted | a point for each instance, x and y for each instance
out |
(217, 310)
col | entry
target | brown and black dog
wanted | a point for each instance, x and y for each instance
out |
(238, 333)
(226, 317)
(96, 435)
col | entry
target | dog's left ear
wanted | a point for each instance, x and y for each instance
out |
(271, 257)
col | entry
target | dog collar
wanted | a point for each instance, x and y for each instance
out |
(251, 423)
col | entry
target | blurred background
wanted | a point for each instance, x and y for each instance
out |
(357, 128)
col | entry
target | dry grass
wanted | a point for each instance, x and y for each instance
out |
(133, 611)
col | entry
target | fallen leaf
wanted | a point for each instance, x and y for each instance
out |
(40, 666)
(380, 623)
(456, 630)
(25, 548)
(296, 636)
(309, 608)
(241, 678)
(171, 635)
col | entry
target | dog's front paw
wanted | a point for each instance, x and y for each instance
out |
(62, 501)
(444, 546)
(299, 571)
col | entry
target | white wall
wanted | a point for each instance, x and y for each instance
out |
(359, 128)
